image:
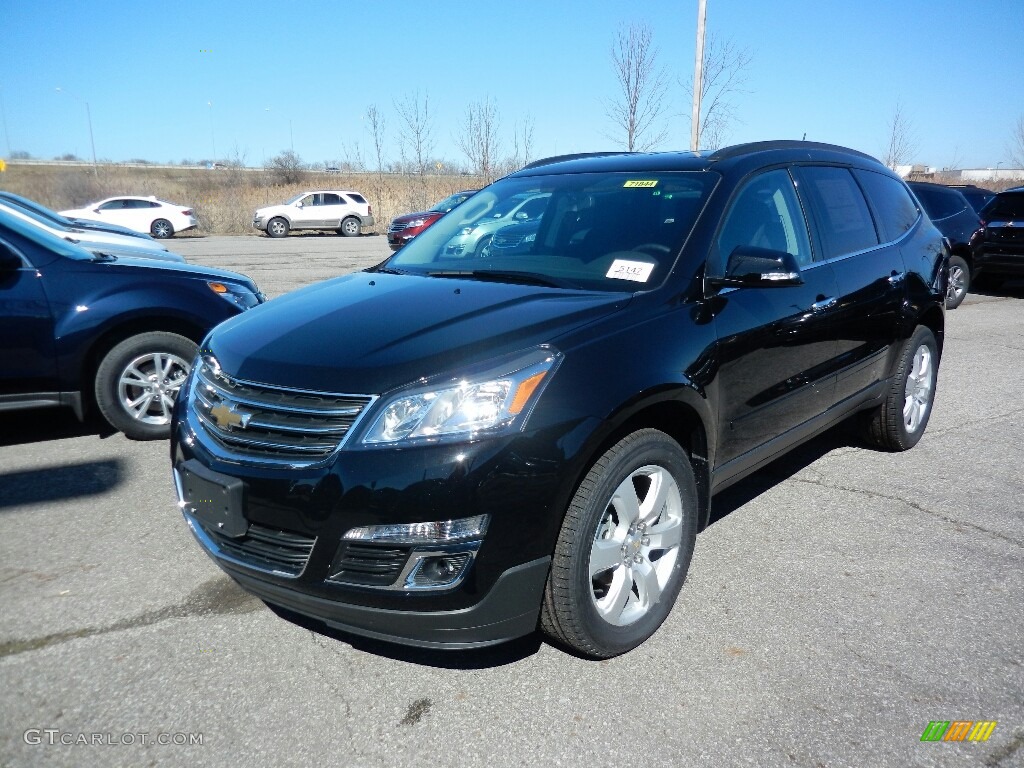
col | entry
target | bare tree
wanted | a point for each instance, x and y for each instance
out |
(1015, 149)
(375, 124)
(637, 110)
(478, 139)
(415, 133)
(286, 168)
(353, 155)
(902, 141)
(726, 68)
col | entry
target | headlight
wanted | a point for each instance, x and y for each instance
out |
(496, 400)
(467, 230)
(416, 223)
(236, 294)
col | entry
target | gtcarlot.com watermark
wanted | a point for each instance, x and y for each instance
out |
(57, 737)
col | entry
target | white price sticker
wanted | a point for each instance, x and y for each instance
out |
(637, 271)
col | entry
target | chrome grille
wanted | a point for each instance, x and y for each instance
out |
(396, 227)
(506, 239)
(248, 420)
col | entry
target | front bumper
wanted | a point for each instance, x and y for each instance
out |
(291, 547)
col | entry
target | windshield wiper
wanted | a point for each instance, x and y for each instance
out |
(503, 276)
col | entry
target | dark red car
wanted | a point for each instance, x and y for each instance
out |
(404, 228)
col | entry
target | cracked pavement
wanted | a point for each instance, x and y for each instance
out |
(842, 599)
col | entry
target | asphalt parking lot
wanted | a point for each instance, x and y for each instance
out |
(842, 599)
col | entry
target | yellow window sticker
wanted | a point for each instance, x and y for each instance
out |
(634, 183)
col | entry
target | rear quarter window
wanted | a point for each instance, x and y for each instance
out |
(357, 198)
(842, 220)
(893, 206)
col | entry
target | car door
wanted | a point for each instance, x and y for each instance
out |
(118, 211)
(775, 344)
(26, 328)
(868, 267)
(333, 208)
(306, 213)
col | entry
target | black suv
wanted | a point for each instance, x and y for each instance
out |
(998, 247)
(446, 450)
(956, 219)
(78, 328)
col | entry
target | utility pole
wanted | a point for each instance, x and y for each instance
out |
(88, 116)
(698, 77)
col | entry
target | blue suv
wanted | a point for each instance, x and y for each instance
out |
(78, 328)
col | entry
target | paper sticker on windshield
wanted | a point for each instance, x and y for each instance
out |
(623, 269)
(641, 183)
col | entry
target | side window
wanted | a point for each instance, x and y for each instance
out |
(331, 199)
(894, 208)
(840, 212)
(766, 214)
(112, 205)
(308, 200)
(357, 198)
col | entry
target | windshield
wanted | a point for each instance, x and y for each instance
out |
(607, 231)
(295, 199)
(30, 206)
(450, 202)
(45, 239)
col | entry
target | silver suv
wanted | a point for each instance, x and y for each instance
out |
(347, 213)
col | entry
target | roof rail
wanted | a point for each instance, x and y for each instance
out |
(761, 146)
(577, 156)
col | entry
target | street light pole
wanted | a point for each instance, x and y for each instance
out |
(698, 77)
(88, 116)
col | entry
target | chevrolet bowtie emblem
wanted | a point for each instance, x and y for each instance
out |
(228, 418)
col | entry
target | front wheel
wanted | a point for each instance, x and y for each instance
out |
(350, 227)
(161, 229)
(138, 380)
(277, 227)
(624, 548)
(959, 282)
(899, 422)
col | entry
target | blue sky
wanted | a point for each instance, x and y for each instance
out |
(166, 81)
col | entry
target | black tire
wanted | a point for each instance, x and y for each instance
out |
(152, 365)
(581, 606)
(350, 227)
(900, 421)
(277, 227)
(959, 282)
(483, 247)
(161, 229)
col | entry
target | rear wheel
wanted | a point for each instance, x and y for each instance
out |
(900, 421)
(959, 282)
(138, 381)
(277, 227)
(624, 548)
(350, 227)
(161, 229)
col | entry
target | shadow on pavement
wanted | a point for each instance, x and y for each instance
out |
(42, 424)
(61, 481)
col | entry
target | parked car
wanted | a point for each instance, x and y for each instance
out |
(94, 240)
(31, 206)
(80, 329)
(347, 213)
(474, 240)
(950, 211)
(977, 196)
(998, 245)
(143, 214)
(404, 228)
(463, 451)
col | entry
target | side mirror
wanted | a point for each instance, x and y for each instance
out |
(299, 204)
(95, 210)
(761, 267)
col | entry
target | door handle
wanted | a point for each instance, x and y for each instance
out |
(896, 277)
(822, 304)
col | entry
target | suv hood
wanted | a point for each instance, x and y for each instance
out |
(368, 333)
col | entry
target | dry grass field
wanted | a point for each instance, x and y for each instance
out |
(224, 200)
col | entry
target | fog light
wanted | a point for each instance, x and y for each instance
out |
(439, 570)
